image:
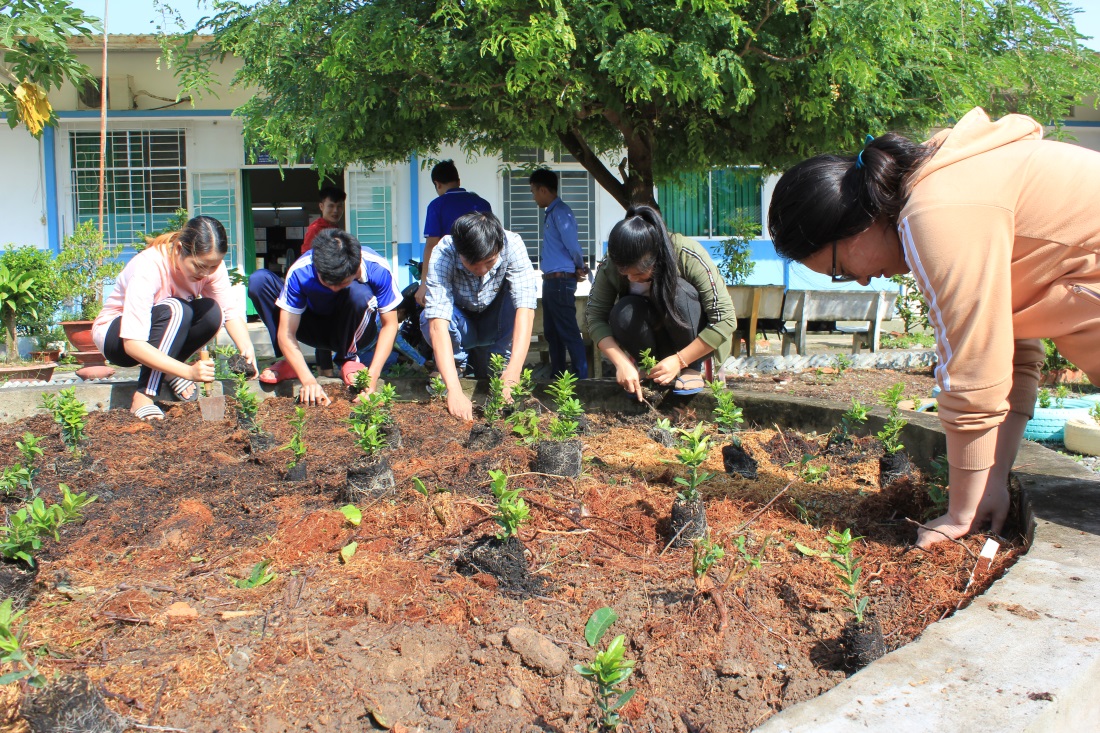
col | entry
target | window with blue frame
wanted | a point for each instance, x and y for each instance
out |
(706, 205)
(146, 180)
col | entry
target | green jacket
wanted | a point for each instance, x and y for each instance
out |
(695, 266)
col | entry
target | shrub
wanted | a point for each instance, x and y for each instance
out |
(494, 403)
(848, 571)
(512, 511)
(735, 252)
(18, 294)
(248, 404)
(70, 413)
(854, 418)
(297, 443)
(607, 672)
(563, 426)
(727, 415)
(38, 265)
(693, 451)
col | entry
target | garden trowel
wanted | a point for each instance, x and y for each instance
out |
(212, 408)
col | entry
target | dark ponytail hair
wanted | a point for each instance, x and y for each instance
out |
(641, 240)
(831, 197)
(199, 236)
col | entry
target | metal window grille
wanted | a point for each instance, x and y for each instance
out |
(146, 180)
(523, 216)
(370, 210)
(215, 194)
(706, 204)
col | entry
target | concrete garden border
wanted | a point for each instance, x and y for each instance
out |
(1024, 656)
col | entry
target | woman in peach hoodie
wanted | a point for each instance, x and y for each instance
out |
(1001, 231)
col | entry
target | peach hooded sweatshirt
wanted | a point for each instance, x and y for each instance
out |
(1002, 233)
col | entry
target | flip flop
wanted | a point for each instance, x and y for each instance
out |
(282, 371)
(690, 381)
(348, 370)
(179, 385)
(149, 413)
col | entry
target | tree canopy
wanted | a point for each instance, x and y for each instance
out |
(678, 85)
(35, 57)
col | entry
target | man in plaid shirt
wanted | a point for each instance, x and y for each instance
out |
(481, 300)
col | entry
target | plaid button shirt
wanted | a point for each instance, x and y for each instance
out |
(451, 284)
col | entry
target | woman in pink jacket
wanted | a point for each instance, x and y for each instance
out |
(1001, 231)
(170, 300)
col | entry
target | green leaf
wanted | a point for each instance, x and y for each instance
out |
(419, 485)
(807, 551)
(598, 623)
(623, 700)
(258, 577)
(348, 551)
(352, 514)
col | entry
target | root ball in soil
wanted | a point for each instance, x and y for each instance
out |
(297, 473)
(483, 437)
(559, 458)
(72, 703)
(691, 518)
(369, 479)
(893, 467)
(736, 460)
(503, 559)
(662, 436)
(17, 582)
(862, 642)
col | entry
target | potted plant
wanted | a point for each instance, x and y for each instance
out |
(502, 555)
(561, 455)
(18, 293)
(85, 263)
(689, 513)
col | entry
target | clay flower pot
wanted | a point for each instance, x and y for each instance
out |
(28, 373)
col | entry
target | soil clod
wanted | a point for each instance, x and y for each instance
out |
(862, 642)
(483, 437)
(559, 458)
(662, 436)
(894, 467)
(503, 559)
(296, 472)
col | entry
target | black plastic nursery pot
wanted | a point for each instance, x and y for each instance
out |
(688, 521)
(559, 458)
(369, 479)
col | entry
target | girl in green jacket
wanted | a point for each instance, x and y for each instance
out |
(659, 293)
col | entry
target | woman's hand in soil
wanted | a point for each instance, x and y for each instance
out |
(202, 371)
(666, 370)
(459, 405)
(628, 378)
(249, 354)
(313, 394)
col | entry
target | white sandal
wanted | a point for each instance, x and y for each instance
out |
(179, 385)
(149, 412)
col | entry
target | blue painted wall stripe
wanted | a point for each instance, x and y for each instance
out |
(49, 160)
(414, 208)
(91, 114)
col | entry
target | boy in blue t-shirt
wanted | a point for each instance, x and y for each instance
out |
(328, 301)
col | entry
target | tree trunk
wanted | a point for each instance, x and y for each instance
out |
(637, 186)
(11, 337)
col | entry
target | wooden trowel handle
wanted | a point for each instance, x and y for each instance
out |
(204, 355)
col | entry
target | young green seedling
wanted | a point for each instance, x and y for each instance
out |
(563, 426)
(21, 536)
(1095, 412)
(854, 418)
(248, 404)
(512, 511)
(646, 361)
(297, 443)
(69, 413)
(1044, 398)
(438, 388)
(30, 451)
(807, 472)
(362, 379)
(889, 436)
(369, 438)
(521, 391)
(494, 403)
(1061, 392)
(13, 637)
(841, 362)
(848, 571)
(937, 487)
(525, 424)
(607, 672)
(692, 453)
(15, 480)
(727, 415)
(663, 423)
(704, 553)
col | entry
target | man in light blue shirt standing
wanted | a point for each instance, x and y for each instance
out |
(562, 263)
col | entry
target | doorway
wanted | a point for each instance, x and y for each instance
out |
(278, 207)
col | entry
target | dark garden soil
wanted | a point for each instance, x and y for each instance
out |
(141, 595)
(863, 384)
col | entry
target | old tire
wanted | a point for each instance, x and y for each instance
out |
(1049, 423)
(1083, 436)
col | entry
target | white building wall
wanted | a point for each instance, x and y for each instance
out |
(22, 189)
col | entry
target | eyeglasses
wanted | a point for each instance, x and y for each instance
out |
(840, 278)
